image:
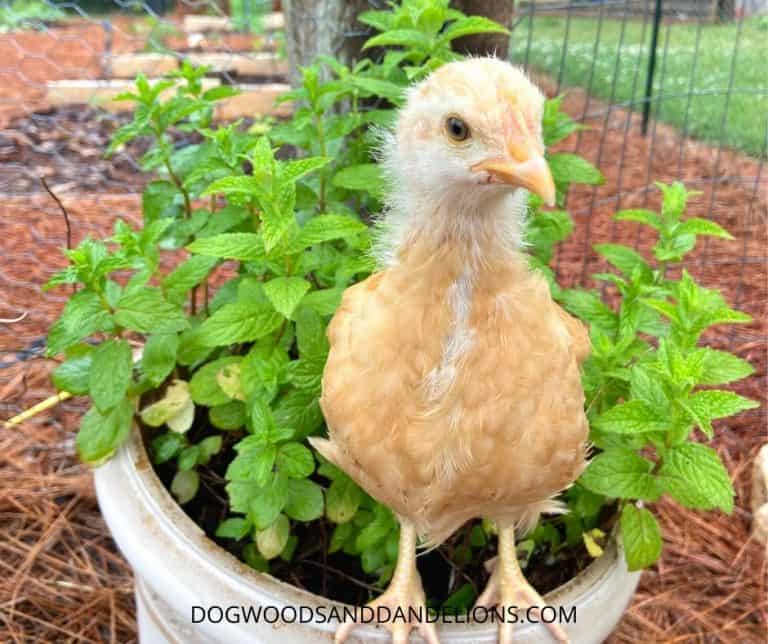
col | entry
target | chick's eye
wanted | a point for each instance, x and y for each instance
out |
(456, 128)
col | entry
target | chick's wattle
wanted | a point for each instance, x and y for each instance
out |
(452, 389)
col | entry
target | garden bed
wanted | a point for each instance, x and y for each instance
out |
(63, 578)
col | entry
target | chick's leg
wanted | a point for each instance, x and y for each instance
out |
(509, 587)
(403, 593)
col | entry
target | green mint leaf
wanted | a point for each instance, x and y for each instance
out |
(254, 558)
(631, 417)
(224, 220)
(647, 387)
(310, 335)
(640, 536)
(667, 309)
(295, 461)
(239, 322)
(235, 185)
(705, 406)
(342, 500)
(101, 434)
(621, 473)
(147, 311)
(546, 229)
(228, 417)
(204, 386)
(640, 216)
(673, 250)
(73, 375)
(379, 20)
(469, 26)
(273, 539)
(245, 247)
(571, 168)
(328, 228)
(306, 375)
(209, 447)
(267, 504)
(556, 124)
(188, 457)
(725, 315)
(720, 367)
(367, 177)
(234, 528)
(300, 410)
(159, 356)
(285, 293)
(324, 301)
(262, 370)
(376, 87)
(295, 170)
(263, 154)
(343, 534)
(698, 226)
(111, 372)
(187, 275)
(588, 306)
(191, 351)
(305, 500)
(674, 200)
(167, 446)
(408, 38)
(262, 422)
(184, 485)
(161, 199)
(219, 92)
(83, 315)
(622, 257)
(374, 533)
(278, 217)
(253, 464)
(695, 477)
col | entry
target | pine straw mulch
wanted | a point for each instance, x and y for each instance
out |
(62, 579)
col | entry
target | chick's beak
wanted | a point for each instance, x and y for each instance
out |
(532, 174)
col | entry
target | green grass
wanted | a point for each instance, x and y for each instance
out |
(745, 124)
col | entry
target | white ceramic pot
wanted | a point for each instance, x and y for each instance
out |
(177, 568)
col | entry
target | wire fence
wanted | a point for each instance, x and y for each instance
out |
(672, 89)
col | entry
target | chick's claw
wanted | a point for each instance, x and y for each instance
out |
(508, 587)
(398, 599)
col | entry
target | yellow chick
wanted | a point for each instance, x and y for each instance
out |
(452, 389)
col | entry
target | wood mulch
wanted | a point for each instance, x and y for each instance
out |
(63, 580)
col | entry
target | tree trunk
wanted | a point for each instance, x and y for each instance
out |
(322, 27)
(486, 44)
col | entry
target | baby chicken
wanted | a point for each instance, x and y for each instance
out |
(452, 389)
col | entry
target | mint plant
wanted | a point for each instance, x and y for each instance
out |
(231, 376)
(643, 381)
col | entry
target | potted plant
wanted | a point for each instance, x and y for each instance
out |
(204, 378)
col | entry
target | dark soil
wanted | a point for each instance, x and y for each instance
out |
(65, 146)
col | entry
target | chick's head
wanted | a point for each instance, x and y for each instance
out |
(473, 127)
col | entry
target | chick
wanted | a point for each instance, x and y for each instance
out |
(452, 389)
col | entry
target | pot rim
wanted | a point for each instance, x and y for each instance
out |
(138, 473)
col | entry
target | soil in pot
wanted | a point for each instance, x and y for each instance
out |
(340, 577)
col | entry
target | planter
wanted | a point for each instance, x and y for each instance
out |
(178, 567)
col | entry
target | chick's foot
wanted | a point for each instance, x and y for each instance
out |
(396, 605)
(402, 606)
(508, 587)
